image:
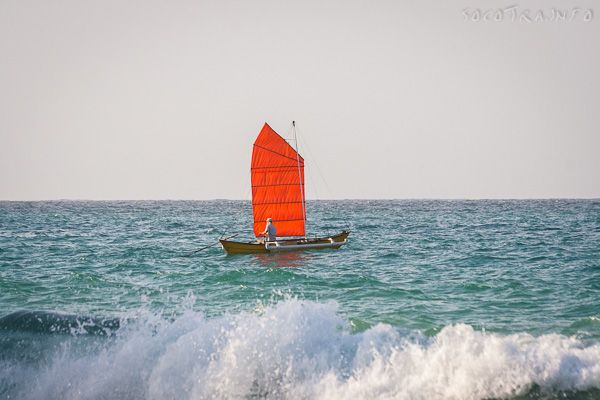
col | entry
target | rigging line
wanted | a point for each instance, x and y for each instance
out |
(300, 179)
(312, 182)
(309, 180)
(314, 162)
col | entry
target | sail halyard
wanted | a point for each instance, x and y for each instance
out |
(277, 173)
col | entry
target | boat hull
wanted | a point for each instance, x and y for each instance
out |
(329, 242)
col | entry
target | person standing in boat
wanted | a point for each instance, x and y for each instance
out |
(270, 232)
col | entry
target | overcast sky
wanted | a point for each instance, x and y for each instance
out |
(393, 99)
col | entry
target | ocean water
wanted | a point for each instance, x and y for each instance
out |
(429, 300)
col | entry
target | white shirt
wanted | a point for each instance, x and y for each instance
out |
(271, 232)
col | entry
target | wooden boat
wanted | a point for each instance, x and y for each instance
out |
(277, 176)
(331, 242)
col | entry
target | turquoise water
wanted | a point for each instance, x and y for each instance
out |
(429, 299)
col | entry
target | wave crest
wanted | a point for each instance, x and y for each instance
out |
(305, 350)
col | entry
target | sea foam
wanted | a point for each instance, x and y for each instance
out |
(302, 350)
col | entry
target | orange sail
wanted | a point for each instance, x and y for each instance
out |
(277, 184)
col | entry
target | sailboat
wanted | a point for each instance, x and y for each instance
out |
(277, 178)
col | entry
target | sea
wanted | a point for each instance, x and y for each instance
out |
(430, 299)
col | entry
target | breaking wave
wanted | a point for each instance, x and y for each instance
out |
(290, 350)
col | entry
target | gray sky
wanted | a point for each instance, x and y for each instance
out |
(393, 99)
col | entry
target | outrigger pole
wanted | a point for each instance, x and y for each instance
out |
(209, 246)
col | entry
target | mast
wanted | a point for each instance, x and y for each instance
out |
(300, 178)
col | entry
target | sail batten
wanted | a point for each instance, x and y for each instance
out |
(277, 173)
(274, 152)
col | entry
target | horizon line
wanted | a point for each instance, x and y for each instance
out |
(319, 199)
